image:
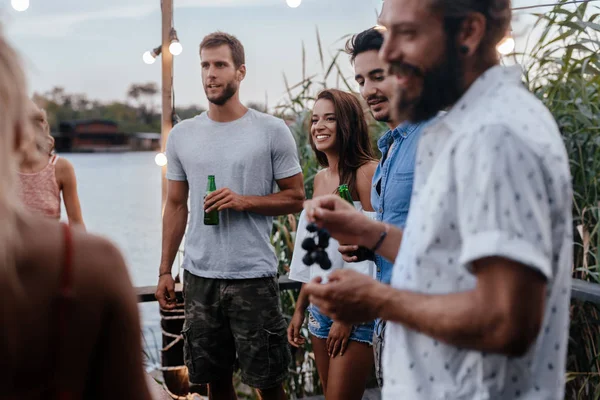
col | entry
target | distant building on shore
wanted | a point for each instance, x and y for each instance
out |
(101, 135)
(89, 136)
(145, 141)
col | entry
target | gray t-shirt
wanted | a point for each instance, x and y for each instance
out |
(247, 156)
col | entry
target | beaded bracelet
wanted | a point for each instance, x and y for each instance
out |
(381, 238)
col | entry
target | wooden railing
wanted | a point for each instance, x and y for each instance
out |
(582, 290)
(146, 293)
(585, 291)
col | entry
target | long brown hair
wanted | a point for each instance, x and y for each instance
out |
(352, 137)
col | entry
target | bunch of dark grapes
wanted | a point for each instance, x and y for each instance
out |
(315, 250)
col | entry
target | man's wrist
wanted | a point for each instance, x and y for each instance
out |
(372, 233)
(163, 272)
(246, 203)
(382, 300)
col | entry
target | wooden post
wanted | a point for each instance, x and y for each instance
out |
(176, 380)
(167, 87)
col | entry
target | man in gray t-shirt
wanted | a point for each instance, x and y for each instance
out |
(230, 269)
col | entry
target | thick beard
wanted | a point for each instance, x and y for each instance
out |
(230, 89)
(442, 87)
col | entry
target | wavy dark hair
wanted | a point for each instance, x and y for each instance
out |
(371, 39)
(352, 142)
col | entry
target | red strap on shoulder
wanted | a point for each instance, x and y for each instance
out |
(66, 279)
(64, 303)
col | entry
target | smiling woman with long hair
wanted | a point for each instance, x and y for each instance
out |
(69, 325)
(339, 136)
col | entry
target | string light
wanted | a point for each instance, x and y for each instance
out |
(150, 56)
(175, 47)
(293, 3)
(20, 5)
(506, 45)
(160, 159)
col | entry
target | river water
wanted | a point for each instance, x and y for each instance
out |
(120, 197)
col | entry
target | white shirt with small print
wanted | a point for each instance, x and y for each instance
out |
(492, 179)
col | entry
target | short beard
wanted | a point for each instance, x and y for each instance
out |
(230, 89)
(442, 87)
(385, 119)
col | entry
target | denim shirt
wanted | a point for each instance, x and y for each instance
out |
(392, 182)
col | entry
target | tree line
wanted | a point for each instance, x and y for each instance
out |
(140, 112)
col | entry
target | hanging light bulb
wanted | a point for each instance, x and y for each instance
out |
(175, 47)
(506, 45)
(20, 5)
(160, 159)
(293, 3)
(150, 56)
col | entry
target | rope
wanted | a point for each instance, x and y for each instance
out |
(173, 311)
(175, 368)
(169, 334)
(173, 343)
(173, 317)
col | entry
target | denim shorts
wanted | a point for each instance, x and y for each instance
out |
(319, 326)
(378, 343)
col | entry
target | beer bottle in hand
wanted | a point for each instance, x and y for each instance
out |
(344, 193)
(211, 218)
(362, 253)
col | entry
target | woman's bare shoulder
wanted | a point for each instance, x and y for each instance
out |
(64, 169)
(102, 259)
(369, 166)
(319, 179)
(320, 175)
(64, 165)
(366, 171)
(97, 262)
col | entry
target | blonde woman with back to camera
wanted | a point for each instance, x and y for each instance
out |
(44, 177)
(69, 321)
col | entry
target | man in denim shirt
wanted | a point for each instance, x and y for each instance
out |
(393, 179)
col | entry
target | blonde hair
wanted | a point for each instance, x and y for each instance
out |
(13, 125)
(41, 129)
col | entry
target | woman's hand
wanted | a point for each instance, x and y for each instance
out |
(337, 341)
(295, 338)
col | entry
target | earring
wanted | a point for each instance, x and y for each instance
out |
(464, 49)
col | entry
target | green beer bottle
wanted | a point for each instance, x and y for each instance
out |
(362, 253)
(344, 193)
(211, 218)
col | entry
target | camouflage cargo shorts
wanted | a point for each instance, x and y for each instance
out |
(227, 319)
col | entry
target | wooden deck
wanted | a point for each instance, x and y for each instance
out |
(581, 290)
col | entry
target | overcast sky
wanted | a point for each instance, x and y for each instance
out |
(95, 46)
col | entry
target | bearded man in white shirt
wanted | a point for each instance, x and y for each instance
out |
(479, 300)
